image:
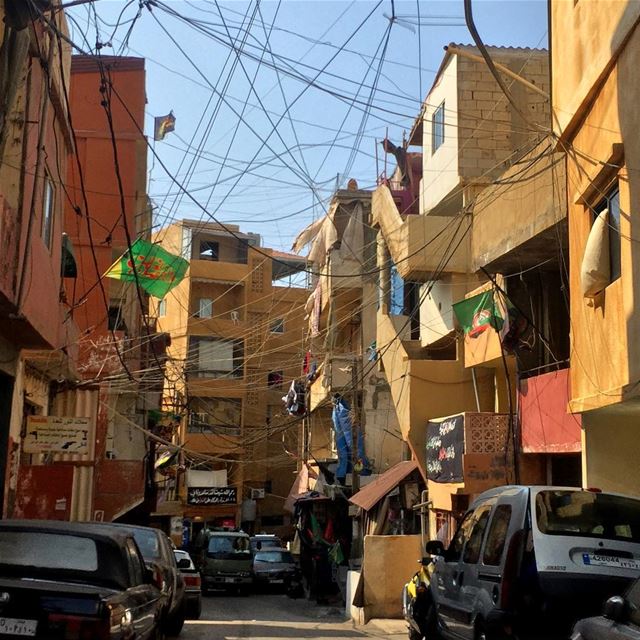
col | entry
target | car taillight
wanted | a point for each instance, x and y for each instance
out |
(192, 581)
(78, 627)
(510, 573)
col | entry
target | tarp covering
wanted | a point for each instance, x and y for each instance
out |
(375, 491)
(595, 273)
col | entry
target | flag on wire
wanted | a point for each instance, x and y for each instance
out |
(157, 270)
(163, 125)
(478, 313)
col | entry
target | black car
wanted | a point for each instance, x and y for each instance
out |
(68, 580)
(274, 567)
(157, 551)
(620, 619)
(192, 582)
(265, 541)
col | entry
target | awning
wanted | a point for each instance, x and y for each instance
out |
(300, 487)
(376, 490)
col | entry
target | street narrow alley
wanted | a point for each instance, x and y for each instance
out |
(276, 616)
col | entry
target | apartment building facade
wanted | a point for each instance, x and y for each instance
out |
(236, 346)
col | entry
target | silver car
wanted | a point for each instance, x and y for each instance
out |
(534, 558)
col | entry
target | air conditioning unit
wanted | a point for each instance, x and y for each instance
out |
(257, 494)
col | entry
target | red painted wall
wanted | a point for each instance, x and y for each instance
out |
(547, 427)
(44, 492)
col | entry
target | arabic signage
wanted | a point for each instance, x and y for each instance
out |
(445, 449)
(57, 434)
(206, 496)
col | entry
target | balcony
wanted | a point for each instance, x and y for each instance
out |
(423, 388)
(546, 424)
(333, 376)
(227, 272)
(419, 244)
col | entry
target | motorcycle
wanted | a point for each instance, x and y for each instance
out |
(417, 603)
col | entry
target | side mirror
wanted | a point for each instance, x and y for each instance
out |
(615, 609)
(259, 545)
(184, 563)
(425, 561)
(434, 548)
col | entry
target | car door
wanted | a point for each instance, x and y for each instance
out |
(144, 597)
(468, 579)
(446, 588)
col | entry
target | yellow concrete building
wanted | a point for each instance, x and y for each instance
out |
(490, 214)
(595, 119)
(236, 345)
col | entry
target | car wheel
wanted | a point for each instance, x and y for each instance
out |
(174, 623)
(196, 610)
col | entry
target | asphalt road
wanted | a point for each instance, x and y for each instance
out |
(270, 617)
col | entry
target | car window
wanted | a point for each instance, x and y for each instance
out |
(148, 544)
(229, 545)
(588, 514)
(497, 535)
(183, 555)
(472, 548)
(135, 564)
(274, 556)
(459, 539)
(48, 551)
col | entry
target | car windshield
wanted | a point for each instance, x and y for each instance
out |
(148, 543)
(229, 545)
(183, 555)
(274, 556)
(48, 551)
(588, 514)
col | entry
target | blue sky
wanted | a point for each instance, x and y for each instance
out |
(256, 144)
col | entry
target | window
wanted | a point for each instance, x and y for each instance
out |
(462, 535)
(497, 535)
(611, 202)
(437, 128)
(472, 550)
(135, 564)
(205, 307)
(162, 308)
(586, 514)
(115, 319)
(277, 326)
(47, 211)
(216, 357)
(209, 250)
(275, 379)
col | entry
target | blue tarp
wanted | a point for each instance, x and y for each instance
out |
(342, 425)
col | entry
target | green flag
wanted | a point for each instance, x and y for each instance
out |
(477, 314)
(158, 270)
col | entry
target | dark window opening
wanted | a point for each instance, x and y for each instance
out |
(277, 326)
(611, 202)
(275, 379)
(115, 319)
(209, 250)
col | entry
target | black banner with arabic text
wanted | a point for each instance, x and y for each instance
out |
(445, 448)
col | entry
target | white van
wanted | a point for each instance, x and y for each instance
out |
(534, 559)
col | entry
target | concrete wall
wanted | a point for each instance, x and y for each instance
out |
(611, 450)
(585, 38)
(440, 169)
(389, 562)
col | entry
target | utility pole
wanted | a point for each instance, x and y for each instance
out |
(355, 426)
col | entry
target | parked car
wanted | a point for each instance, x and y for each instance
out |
(265, 541)
(224, 559)
(192, 584)
(274, 567)
(620, 619)
(67, 580)
(156, 549)
(533, 558)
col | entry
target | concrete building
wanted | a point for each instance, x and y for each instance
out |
(342, 337)
(236, 346)
(38, 337)
(595, 118)
(490, 216)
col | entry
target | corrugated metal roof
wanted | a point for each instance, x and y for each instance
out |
(370, 495)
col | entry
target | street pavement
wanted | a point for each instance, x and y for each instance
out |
(270, 617)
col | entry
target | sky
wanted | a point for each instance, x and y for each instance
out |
(279, 103)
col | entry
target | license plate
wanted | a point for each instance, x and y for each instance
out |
(17, 627)
(229, 579)
(278, 581)
(595, 560)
